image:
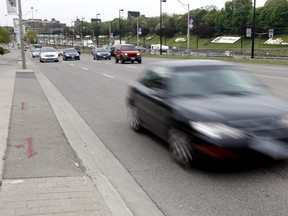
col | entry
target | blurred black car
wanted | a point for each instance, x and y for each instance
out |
(208, 109)
(78, 49)
(101, 53)
(71, 53)
(112, 51)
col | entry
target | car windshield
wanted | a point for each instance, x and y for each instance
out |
(129, 48)
(70, 51)
(102, 50)
(205, 81)
(47, 49)
(36, 50)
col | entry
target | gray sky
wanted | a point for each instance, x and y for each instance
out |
(67, 10)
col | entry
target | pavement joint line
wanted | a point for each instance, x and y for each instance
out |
(108, 174)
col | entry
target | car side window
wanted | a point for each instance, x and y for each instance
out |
(155, 78)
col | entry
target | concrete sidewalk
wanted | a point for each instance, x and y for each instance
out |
(76, 195)
(105, 188)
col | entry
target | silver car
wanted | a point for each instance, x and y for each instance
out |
(36, 52)
(48, 54)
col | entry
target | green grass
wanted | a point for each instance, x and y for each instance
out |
(244, 48)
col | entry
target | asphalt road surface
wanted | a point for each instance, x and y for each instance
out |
(97, 90)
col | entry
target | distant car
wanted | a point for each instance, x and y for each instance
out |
(71, 53)
(36, 52)
(127, 52)
(78, 49)
(101, 53)
(208, 109)
(112, 51)
(60, 52)
(48, 54)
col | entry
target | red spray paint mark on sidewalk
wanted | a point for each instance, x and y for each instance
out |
(19, 146)
(30, 152)
(23, 105)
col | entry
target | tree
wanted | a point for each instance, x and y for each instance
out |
(274, 14)
(4, 35)
(31, 36)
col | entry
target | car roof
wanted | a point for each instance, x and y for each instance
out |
(190, 63)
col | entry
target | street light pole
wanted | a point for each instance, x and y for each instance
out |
(82, 36)
(253, 29)
(97, 29)
(161, 25)
(6, 20)
(120, 24)
(21, 35)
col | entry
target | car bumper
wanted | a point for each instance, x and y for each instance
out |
(125, 58)
(250, 148)
(49, 59)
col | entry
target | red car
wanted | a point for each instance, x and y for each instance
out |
(127, 52)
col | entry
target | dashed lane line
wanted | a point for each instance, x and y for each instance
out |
(108, 76)
(84, 68)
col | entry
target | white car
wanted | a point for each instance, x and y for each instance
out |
(48, 54)
(36, 52)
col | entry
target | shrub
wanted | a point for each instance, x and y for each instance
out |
(1, 51)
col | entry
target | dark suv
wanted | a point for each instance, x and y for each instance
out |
(127, 52)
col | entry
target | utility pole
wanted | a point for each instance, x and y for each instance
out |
(23, 57)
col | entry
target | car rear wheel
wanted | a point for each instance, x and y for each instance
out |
(180, 147)
(133, 118)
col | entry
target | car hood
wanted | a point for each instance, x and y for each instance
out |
(225, 108)
(49, 53)
(72, 53)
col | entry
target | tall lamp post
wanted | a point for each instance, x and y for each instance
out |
(21, 35)
(6, 20)
(120, 24)
(32, 9)
(82, 36)
(97, 28)
(253, 29)
(161, 25)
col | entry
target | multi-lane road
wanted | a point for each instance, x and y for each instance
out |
(97, 90)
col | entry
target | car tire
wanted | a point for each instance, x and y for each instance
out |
(133, 118)
(116, 60)
(139, 61)
(180, 147)
(132, 62)
(122, 60)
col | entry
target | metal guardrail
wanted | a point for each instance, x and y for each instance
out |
(259, 53)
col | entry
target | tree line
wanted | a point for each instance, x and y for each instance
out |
(209, 21)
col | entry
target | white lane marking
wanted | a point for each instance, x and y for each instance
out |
(84, 68)
(71, 64)
(131, 67)
(108, 76)
(275, 77)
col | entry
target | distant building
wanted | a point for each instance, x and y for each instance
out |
(45, 26)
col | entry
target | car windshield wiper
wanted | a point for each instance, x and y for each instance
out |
(235, 93)
(191, 95)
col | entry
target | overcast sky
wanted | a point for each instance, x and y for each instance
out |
(67, 10)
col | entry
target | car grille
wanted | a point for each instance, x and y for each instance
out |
(132, 55)
(49, 55)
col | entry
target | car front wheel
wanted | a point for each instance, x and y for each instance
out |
(180, 147)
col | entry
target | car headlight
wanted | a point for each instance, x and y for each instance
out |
(217, 130)
(283, 120)
(138, 54)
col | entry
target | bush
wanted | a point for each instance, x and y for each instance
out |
(1, 51)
